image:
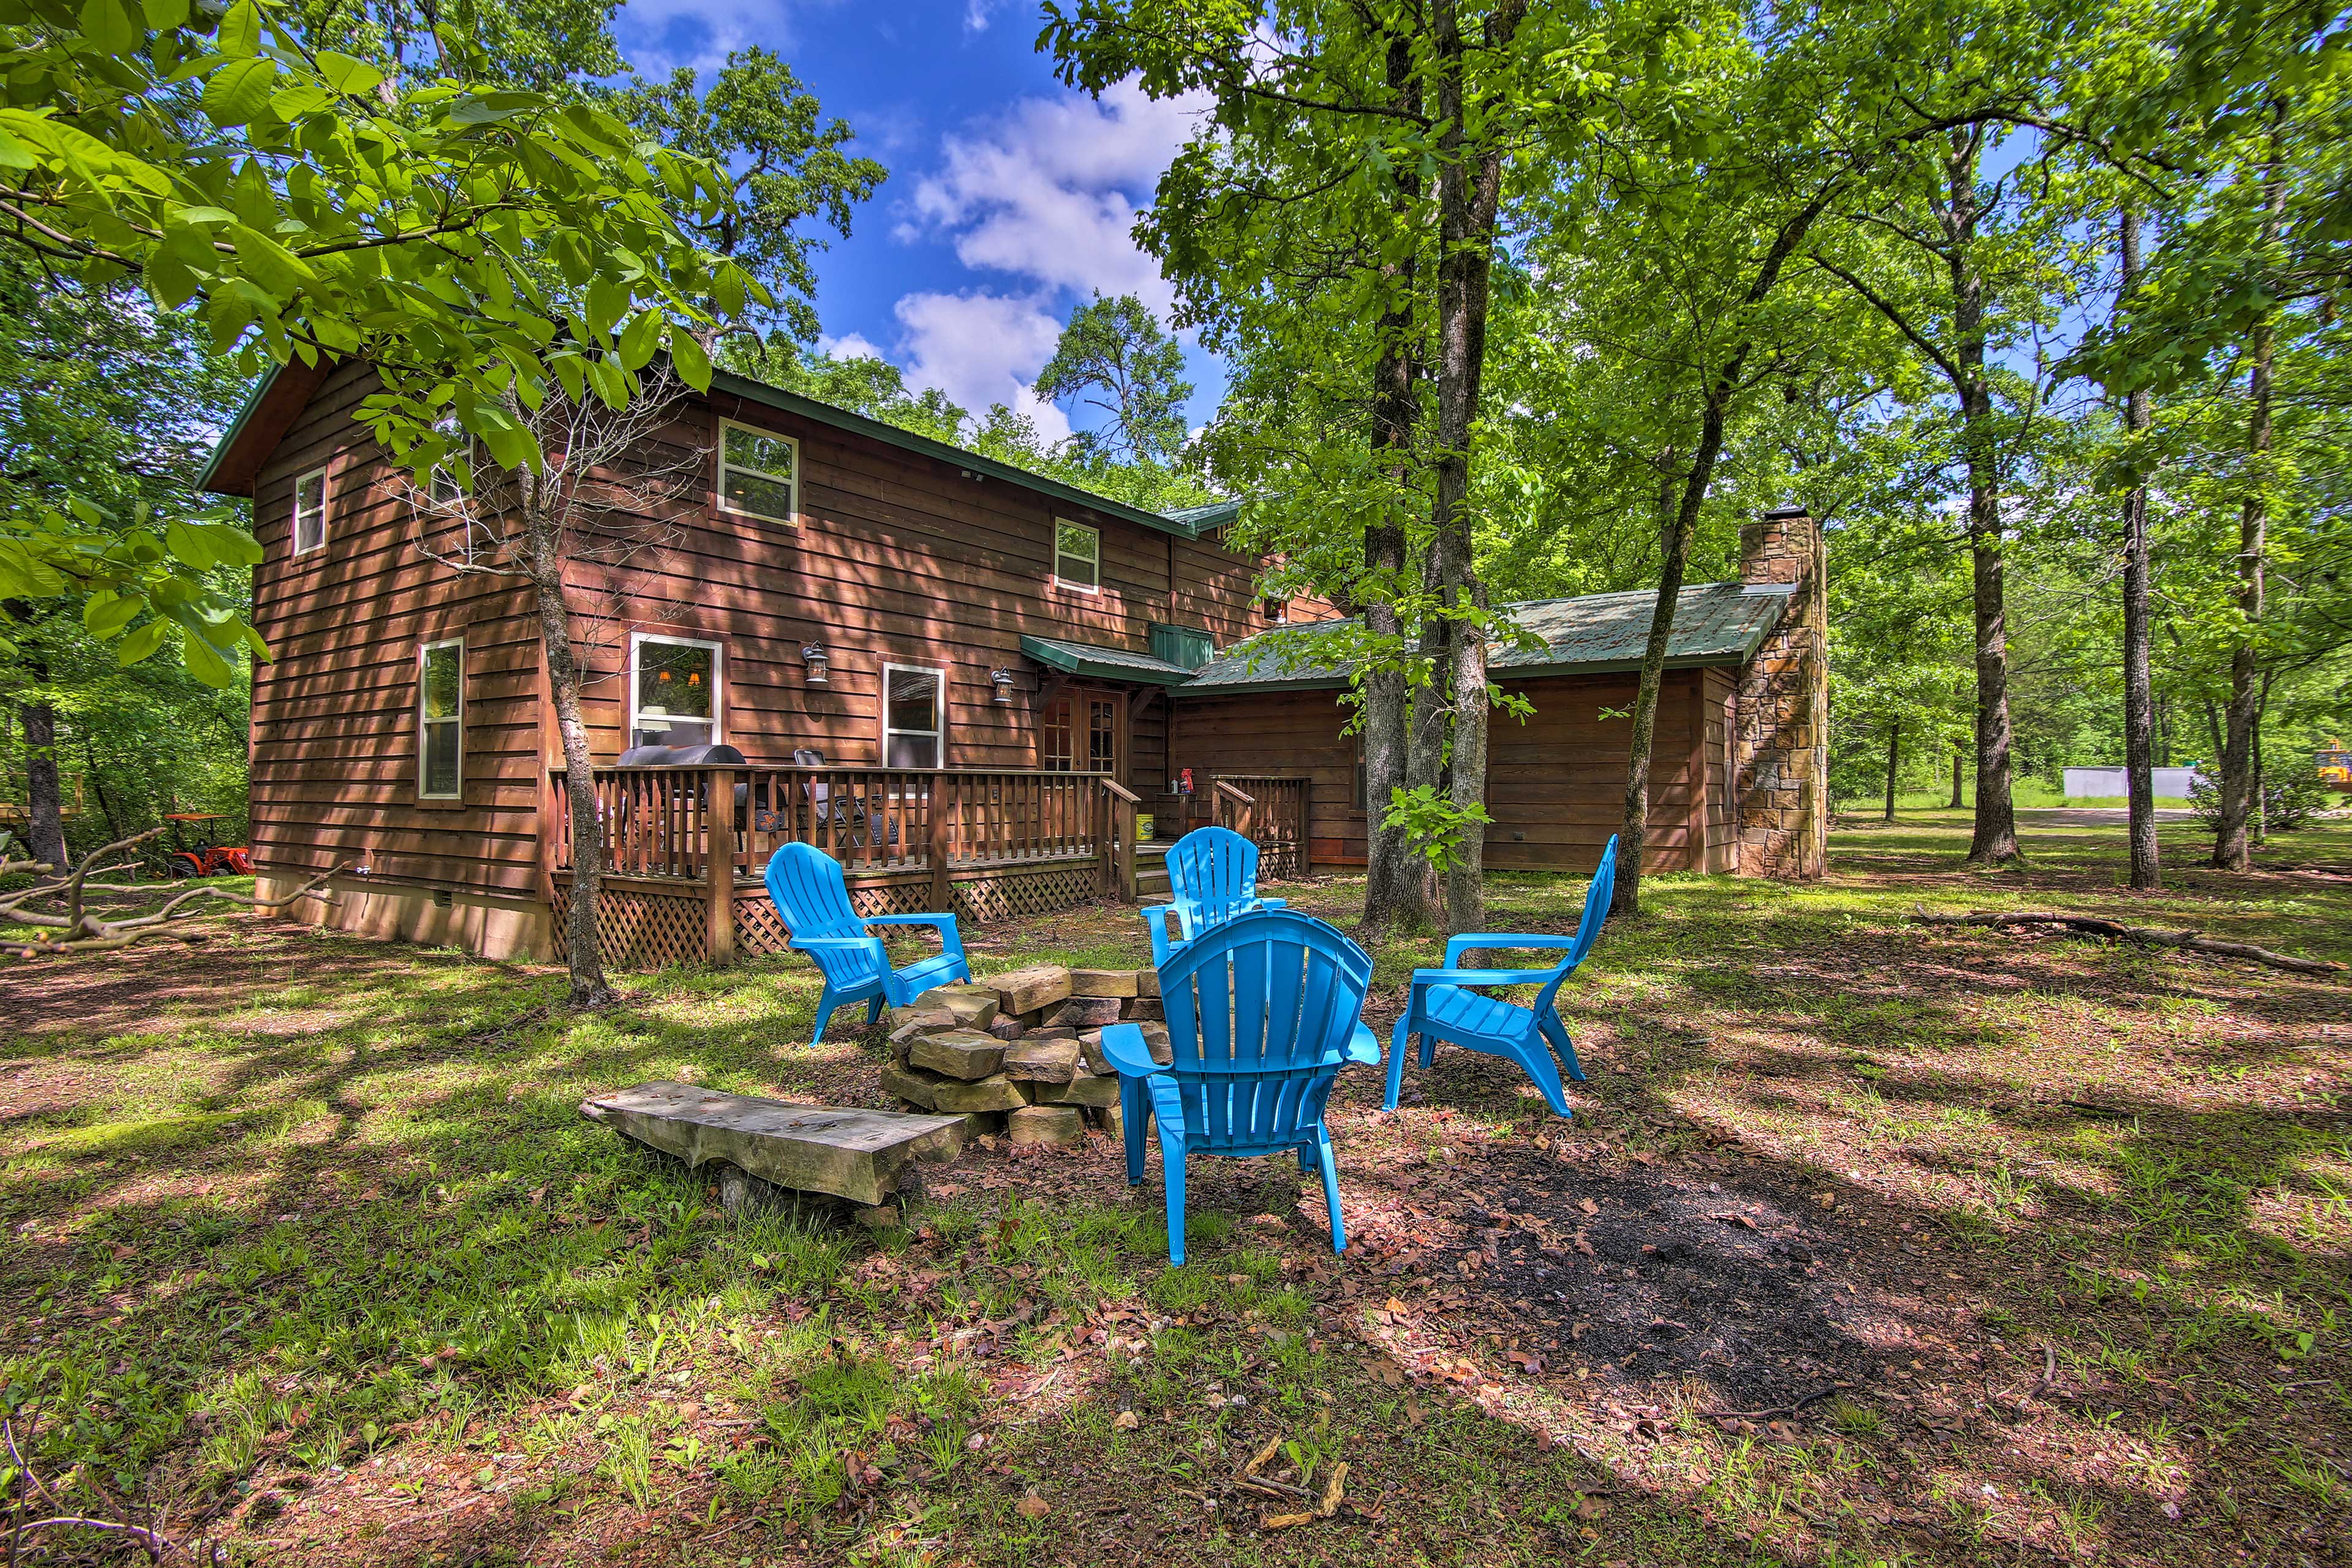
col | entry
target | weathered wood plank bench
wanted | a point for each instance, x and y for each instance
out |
(860, 1155)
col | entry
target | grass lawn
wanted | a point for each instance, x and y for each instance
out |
(1870, 1243)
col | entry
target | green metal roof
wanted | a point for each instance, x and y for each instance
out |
(1716, 623)
(1189, 524)
(1104, 663)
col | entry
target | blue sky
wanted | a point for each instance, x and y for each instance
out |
(1010, 197)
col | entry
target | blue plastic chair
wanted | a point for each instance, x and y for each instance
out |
(1262, 1014)
(1444, 1003)
(1211, 878)
(810, 894)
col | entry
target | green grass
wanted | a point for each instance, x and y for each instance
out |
(306, 1236)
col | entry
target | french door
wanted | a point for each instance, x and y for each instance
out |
(1081, 732)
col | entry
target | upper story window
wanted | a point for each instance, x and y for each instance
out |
(444, 486)
(1077, 556)
(914, 716)
(311, 511)
(441, 720)
(759, 473)
(672, 692)
(1274, 609)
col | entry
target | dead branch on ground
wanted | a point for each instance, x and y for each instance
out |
(2116, 930)
(76, 928)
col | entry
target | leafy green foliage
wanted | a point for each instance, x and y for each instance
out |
(1113, 357)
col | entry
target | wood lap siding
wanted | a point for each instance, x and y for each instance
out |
(1555, 785)
(334, 732)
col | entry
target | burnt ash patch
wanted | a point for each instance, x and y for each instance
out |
(1689, 1275)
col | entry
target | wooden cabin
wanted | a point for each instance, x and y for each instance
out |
(966, 680)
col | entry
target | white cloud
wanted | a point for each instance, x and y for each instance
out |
(849, 345)
(978, 14)
(1049, 191)
(982, 347)
(657, 36)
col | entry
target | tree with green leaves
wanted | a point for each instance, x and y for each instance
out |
(1113, 358)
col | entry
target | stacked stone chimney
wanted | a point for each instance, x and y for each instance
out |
(1782, 758)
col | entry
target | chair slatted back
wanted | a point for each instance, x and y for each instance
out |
(1212, 876)
(1259, 1010)
(813, 896)
(1597, 894)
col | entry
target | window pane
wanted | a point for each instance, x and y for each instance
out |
(914, 700)
(912, 751)
(1077, 551)
(443, 740)
(444, 678)
(311, 511)
(673, 682)
(769, 454)
(764, 497)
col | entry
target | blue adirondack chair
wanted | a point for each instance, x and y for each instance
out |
(1262, 1014)
(1211, 878)
(1445, 1004)
(810, 894)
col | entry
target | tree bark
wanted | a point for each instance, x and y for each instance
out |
(2139, 708)
(1960, 758)
(1626, 898)
(1470, 188)
(584, 953)
(2240, 787)
(1893, 744)
(1994, 841)
(43, 795)
(1398, 892)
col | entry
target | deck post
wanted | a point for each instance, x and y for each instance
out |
(937, 821)
(1119, 838)
(719, 864)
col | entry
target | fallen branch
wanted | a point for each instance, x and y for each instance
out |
(1778, 1411)
(78, 929)
(2116, 930)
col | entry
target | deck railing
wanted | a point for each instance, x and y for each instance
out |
(1269, 810)
(719, 825)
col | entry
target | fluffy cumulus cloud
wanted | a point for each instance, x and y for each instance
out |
(849, 345)
(982, 347)
(1044, 194)
(656, 35)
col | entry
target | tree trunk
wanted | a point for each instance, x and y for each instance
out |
(1627, 898)
(1397, 885)
(1894, 743)
(2139, 708)
(1959, 759)
(114, 832)
(1470, 189)
(1994, 842)
(44, 796)
(583, 953)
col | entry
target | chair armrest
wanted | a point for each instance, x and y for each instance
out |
(1273, 903)
(1479, 978)
(871, 946)
(1156, 917)
(1455, 946)
(949, 936)
(1364, 1046)
(1123, 1047)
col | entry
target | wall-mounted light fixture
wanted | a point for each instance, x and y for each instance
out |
(813, 655)
(1002, 680)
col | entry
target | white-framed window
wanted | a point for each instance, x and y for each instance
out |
(441, 720)
(759, 473)
(444, 484)
(914, 716)
(311, 511)
(1077, 556)
(674, 696)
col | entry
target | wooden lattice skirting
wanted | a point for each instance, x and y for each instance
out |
(648, 927)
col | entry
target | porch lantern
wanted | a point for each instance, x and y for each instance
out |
(813, 655)
(1002, 680)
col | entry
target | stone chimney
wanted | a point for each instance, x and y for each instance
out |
(1782, 760)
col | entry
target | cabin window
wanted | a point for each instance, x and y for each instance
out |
(914, 716)
(441, 720)
(672, 692)
(759, 473)
(1077, 556)
(311, 511)
(444, 486)
(1274, 609)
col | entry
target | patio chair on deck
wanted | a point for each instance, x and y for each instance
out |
(1262, 1014)
(812, 898)
(1445, 1004)
(1211, 878)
